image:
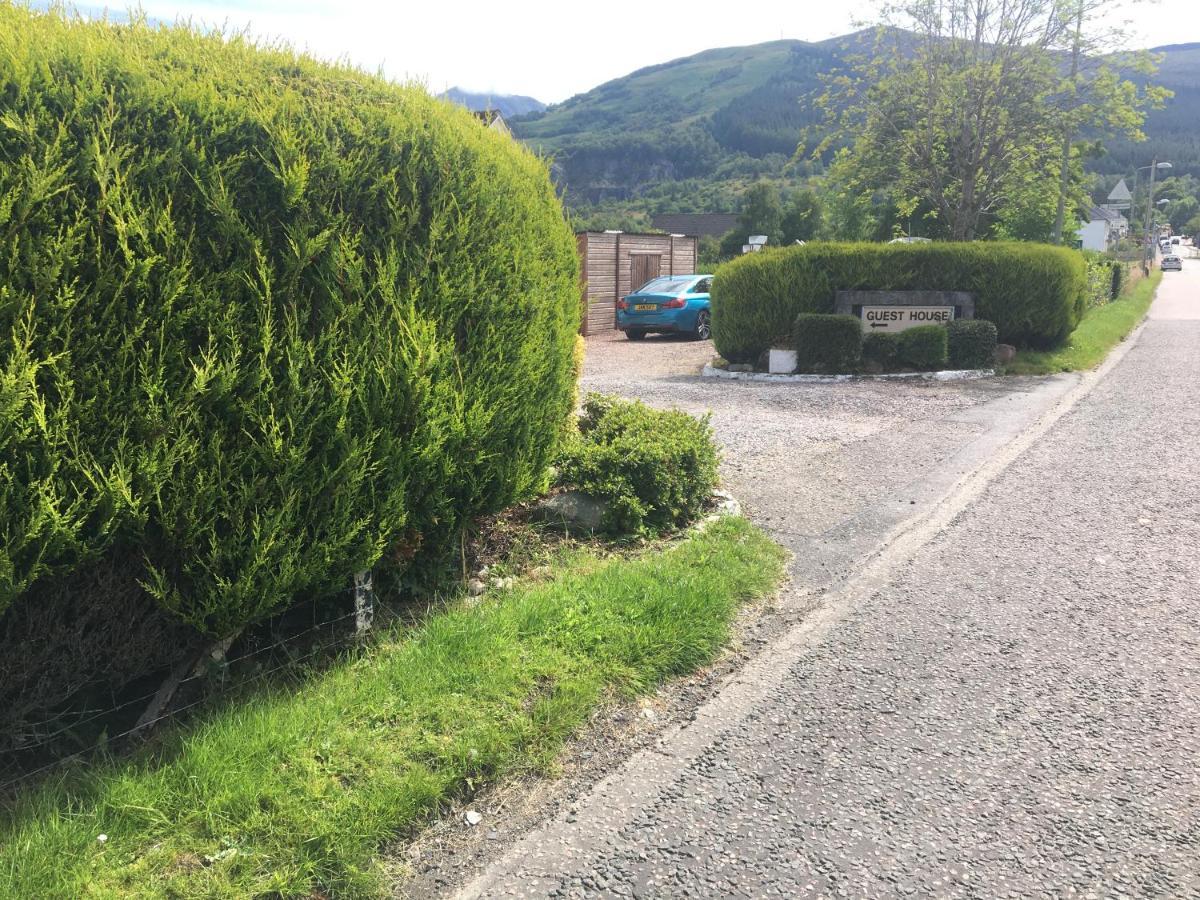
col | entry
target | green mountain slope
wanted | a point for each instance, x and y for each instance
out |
(736, 113)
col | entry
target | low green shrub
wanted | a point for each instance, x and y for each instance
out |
(654, 469)
(827, 343)
(882, 348)
(1035, 294)
(924, 347)
(971, 343)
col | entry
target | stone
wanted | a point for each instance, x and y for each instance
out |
(475, 587)
(781, 362)
(472, 818)
(572, 508)
(1005, 353)
(741, 367)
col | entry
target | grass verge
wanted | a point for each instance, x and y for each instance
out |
(1101, 329)
(292, 793)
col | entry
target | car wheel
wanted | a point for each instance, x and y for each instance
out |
(635, 334)
(703, 326)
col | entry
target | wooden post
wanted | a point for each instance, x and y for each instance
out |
(364, 602)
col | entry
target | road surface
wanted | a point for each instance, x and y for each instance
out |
(1011, 709)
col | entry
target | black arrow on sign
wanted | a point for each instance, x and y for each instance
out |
(879, 324)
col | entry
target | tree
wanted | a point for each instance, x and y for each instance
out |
(1180, 212)
(802, 218)
(762, 212)
(962, 101)
(1094, 97)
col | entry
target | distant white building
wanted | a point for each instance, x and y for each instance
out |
(492, 119)
(1120, 198)
(1103, 229)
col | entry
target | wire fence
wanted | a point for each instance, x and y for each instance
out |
(201, 672)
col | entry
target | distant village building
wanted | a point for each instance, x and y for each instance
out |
(492, 119)
(1120, 198)
(715, 225)
(1103, 229)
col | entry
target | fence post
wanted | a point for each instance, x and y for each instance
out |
(364, 602)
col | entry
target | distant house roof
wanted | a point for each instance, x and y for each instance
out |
(491, 118)
(701, 224)
(1100, 213)
(1120, 194)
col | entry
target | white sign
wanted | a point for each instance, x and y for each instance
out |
(901, 318)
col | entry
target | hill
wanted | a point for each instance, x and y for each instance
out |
(681, 135)
(508, 105)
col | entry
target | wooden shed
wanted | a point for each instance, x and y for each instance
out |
(614, 264)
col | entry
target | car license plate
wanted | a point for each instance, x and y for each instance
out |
(645, 307)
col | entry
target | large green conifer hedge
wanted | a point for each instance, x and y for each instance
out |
(264, 321)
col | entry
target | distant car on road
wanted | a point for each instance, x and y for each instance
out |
(671, 303)
(1172, 262)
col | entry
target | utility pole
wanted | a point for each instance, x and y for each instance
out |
(1149, 217)
(1065, 174)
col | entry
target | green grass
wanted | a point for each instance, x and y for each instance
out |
(1102, 328)
(296, 790)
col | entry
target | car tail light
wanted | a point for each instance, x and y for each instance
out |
(675, 303)
(622, 304)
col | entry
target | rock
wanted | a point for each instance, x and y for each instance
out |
(572, 508)
(781, 362)
(475, 587)
(1004, 354)
(473, 818)
(741, 367)
(726, 503)
(483, 573)
(102, 838)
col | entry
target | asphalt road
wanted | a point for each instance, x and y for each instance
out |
(1011, 709)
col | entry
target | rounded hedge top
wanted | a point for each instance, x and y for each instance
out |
(1035, 294)
(265, 320)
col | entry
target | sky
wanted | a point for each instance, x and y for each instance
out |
(552, 50)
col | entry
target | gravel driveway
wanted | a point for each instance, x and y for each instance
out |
(829, 469)
(1013, 712)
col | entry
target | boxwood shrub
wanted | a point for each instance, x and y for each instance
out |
(655, 469)
(881, 347)
(263, 321)
(924, 347)
(1035, 294)
(971, 343)
(827, 343)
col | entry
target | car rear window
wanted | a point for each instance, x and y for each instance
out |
(665, 285)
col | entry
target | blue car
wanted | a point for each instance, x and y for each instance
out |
(671, 303)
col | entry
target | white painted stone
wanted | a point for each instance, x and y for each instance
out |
(781, 362)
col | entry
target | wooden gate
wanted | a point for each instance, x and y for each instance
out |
(643, 267)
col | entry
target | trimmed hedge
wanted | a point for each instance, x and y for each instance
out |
(924, 347)
(972, 343)
(1035, 294)
(881, 347)
(827, 343)
(263, 321)
(655, 469)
